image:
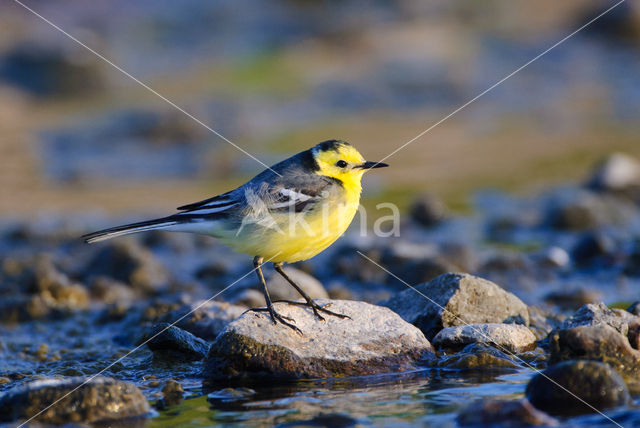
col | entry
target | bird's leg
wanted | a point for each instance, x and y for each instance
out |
(275, 316)
(309, 301)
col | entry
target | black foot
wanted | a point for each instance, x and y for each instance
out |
(316, 308)
(276, 317)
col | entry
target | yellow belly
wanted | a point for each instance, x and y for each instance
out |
(291, 237)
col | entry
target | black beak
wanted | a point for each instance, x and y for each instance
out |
(371, 165)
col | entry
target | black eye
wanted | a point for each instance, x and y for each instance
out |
(341, 163)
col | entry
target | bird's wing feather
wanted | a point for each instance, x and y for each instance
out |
(214, 202)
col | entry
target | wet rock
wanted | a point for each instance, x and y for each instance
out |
(249, 298)
(543, 321)
(204, 319)
(456, 299)
(477, 356)
(172, 394)
(594, 249)
(280, 289)
(374, 340)
(100, 399)
(502, 413)
(594, 314)
(127, 261)
(581, 209)
(554, 257)
(596, 383)
(600, 343)
(634, 334)
(573, 298)
(351, 265)
(167, 341)
(48, 72)
(506, 337)
(618, 172)
(428, 210)
(634, 308)
(632, 264)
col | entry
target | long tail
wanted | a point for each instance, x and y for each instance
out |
(160, 223)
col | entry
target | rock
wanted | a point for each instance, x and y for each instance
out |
(593, 314)
(543, 321)
(517, 413)
(43, 71)
(280, 289)
(171, 395)
(632, 264)
(557, 388)
(599, 343)
(477, 356)
(428, 210)
(634, 334)
(506, 337)
(374, 340)
(582, 209)
(249, 298)
(127, 261)
(101, 399)
(554, 257)
(594, 248)
(634, 308)
(167, 341)
(207, 321)
(573, 298)
(456, 299)
(618, 172)
(109, 291)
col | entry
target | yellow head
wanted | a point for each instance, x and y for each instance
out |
(340, 160)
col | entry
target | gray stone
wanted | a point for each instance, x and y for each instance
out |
(477, 356)
(428, 210)
(618, 172)
(600, 343)
(542, 321)
(280, 289)
(374, 340)
(593, 314)
(100, 399)
(634, 308)
(456, 299)
(577, 386)
(517, 413)
(506, 337)
(205, 319)
(168, 341)
(582, 209)
(573, 298)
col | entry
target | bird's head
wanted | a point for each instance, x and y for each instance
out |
(340, 160)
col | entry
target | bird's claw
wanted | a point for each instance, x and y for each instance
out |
(316, 307)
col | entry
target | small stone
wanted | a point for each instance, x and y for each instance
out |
(172, 394)
(205, 319)
(170, 341)
(477, 356)
(517, 413)
(599, 343)
(594, 247)
(573, 298)
(564, 388)
(374, 340)
(280, 289)
(428, 210)
(634, 334)
(583, 210)
(128, 262)
(542, 321)
(506, 337)
(634, 308)
(555, 257)
(456, 299)
(100, 399)
(618, 172)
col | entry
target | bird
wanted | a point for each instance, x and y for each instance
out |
(288, 213)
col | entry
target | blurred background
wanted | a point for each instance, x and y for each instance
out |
(78, 136)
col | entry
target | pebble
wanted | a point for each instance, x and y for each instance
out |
(205, 319)
(167, 341)
(503, 413)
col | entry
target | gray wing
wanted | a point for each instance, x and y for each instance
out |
(294, 192)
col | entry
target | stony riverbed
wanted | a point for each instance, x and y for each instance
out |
(502, 316)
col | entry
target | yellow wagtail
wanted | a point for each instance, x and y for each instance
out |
(287, 213)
